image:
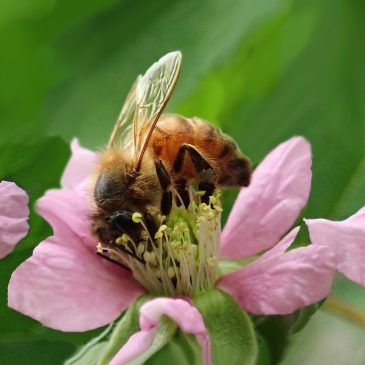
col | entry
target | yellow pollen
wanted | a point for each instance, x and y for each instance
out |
(136, 217)
(122, 240)
(218, 209)
(163, 228)
(193, 250)
(157, 272)
(161, 218)
(211, 215)
(140, 248)
(212, 261)
(158, 234)
(170, 272)
(150, 257)
(201, 219)
(213, 199)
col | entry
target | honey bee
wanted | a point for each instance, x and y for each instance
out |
(150, 159)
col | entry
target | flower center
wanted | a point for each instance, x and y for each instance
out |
(182, 257)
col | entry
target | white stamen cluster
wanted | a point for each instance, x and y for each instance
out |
(182, 257)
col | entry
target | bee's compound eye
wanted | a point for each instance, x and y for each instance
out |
(107, 189)
(100, 187)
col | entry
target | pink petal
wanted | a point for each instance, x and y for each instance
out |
(281, 246)
(265, 210)
(67, 211)
(347, 239)
(79, 166)
(67, 286)
(14, 215)
(183, 313)
(282, 283)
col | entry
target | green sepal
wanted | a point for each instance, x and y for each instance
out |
(88, 354)
(277, 330)
(303, 317)
(165, 332)
(227, 266)
(183, 349)
(264, 355)
(126, 327)
(230, 329)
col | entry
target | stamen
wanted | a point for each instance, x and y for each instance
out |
(181, 258)
(136, 217)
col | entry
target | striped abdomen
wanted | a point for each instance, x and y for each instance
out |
(231, 167)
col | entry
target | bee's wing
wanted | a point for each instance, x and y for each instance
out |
(153, 91)
(122, 132)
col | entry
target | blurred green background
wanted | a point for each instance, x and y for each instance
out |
(261, 70)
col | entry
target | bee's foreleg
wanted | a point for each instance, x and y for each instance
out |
(165, 182)
(122, 220)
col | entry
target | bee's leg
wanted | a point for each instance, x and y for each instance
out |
(165, 182)
(208, 188)
(202, 167)
(150, 224)
(180, 186)
(199, 162)
(122, 220)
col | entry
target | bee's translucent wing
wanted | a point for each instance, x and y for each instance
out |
(122, 134)
(153, 91)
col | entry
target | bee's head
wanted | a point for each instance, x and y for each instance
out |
(119, 186)
(112, 181)
(113, 190)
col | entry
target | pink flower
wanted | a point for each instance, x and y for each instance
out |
(14, 214)
(278, 282)
(347, 239)
(66, 286)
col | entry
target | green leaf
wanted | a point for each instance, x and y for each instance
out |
(114, 63)
(34, 352)
(230, 328)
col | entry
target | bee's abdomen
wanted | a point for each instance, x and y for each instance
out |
(235, 167)
(231, 166)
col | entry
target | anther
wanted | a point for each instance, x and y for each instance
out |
(136, 217)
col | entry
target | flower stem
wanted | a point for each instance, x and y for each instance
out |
(339, 307)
